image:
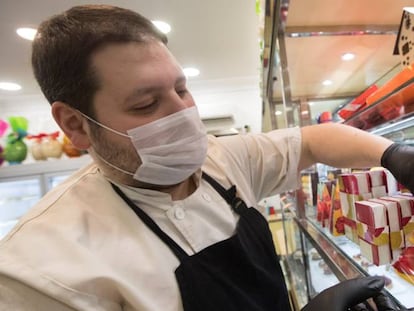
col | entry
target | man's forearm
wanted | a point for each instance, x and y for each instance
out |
(341, 146)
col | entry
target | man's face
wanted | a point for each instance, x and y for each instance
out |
(139, 83)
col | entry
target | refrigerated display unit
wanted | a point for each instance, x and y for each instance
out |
(22, 185)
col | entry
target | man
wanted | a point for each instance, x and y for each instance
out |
(161, 219)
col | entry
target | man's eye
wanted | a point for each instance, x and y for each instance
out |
(182, 92)
(146, 106)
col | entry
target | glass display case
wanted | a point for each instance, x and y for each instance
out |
(17, 196)
(316, 260)
(302, 49)
(309, 270)
(21, 186)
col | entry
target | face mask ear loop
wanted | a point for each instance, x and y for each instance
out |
(103, 125)
(114, 166)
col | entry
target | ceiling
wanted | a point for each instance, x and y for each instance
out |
(218, 37)
(318, 32)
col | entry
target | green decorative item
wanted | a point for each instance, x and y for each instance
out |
(258, 7)
(15, 151)
(19, 125)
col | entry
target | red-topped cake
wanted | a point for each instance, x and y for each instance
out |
(404, 266)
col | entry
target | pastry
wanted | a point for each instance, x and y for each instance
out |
(314, 254)
(404, 266)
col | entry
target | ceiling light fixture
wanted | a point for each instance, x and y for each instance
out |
(348, 56)
(27, 33)
(327, 82)
(162, 26)
(278, 112)
(9, 86)
(191, 72)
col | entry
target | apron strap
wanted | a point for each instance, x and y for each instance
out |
(229, 195)
(175, 248)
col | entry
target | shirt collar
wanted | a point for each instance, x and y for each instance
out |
(153, 197)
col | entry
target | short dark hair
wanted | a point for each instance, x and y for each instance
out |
(62, 49)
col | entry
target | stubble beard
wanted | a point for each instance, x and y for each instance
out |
(121, 154)
(118, 153)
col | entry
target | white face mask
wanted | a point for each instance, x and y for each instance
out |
(171, 148)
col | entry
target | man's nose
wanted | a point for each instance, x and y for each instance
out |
(178, 103)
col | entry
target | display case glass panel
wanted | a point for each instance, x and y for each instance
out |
(309, 273)
(16, 198)
(399, 288)
(55, 179)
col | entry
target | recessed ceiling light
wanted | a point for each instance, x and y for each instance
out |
(327, 82)
(278, 112)
(348, 56)
(162, 26)
(191, 72)
(9, 86)
(27, 33)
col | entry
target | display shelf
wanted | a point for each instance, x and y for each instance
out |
(335, 258)
(395, 106)
(399, 288)
(294, 261)
(43, 167)
(400, 130)
(318, 260)
(307, 275)
(321, 276)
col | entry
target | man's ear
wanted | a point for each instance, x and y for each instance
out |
(72, 123)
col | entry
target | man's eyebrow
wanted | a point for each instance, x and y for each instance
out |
(139, 92)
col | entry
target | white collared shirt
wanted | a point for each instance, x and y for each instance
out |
(82, 248)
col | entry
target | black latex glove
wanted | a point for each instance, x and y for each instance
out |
(352, 293)
(382, 302)
(399, 160)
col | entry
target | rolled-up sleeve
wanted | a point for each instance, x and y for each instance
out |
(268, 161)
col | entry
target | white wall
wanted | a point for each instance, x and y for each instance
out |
(239, 97)
(35, 108)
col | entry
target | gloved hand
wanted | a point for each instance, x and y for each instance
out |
(399, 160)
(352, 293)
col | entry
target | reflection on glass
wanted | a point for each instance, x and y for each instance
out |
(53, 181)
(16, 198)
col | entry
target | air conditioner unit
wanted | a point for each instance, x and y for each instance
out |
(227, 132)
(220, 125)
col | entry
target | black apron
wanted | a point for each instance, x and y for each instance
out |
(239, 273)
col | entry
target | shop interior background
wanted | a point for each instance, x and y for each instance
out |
(220, 38)
(229, 42)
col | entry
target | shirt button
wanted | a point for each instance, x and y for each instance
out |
(206, 197)
(179, 213)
